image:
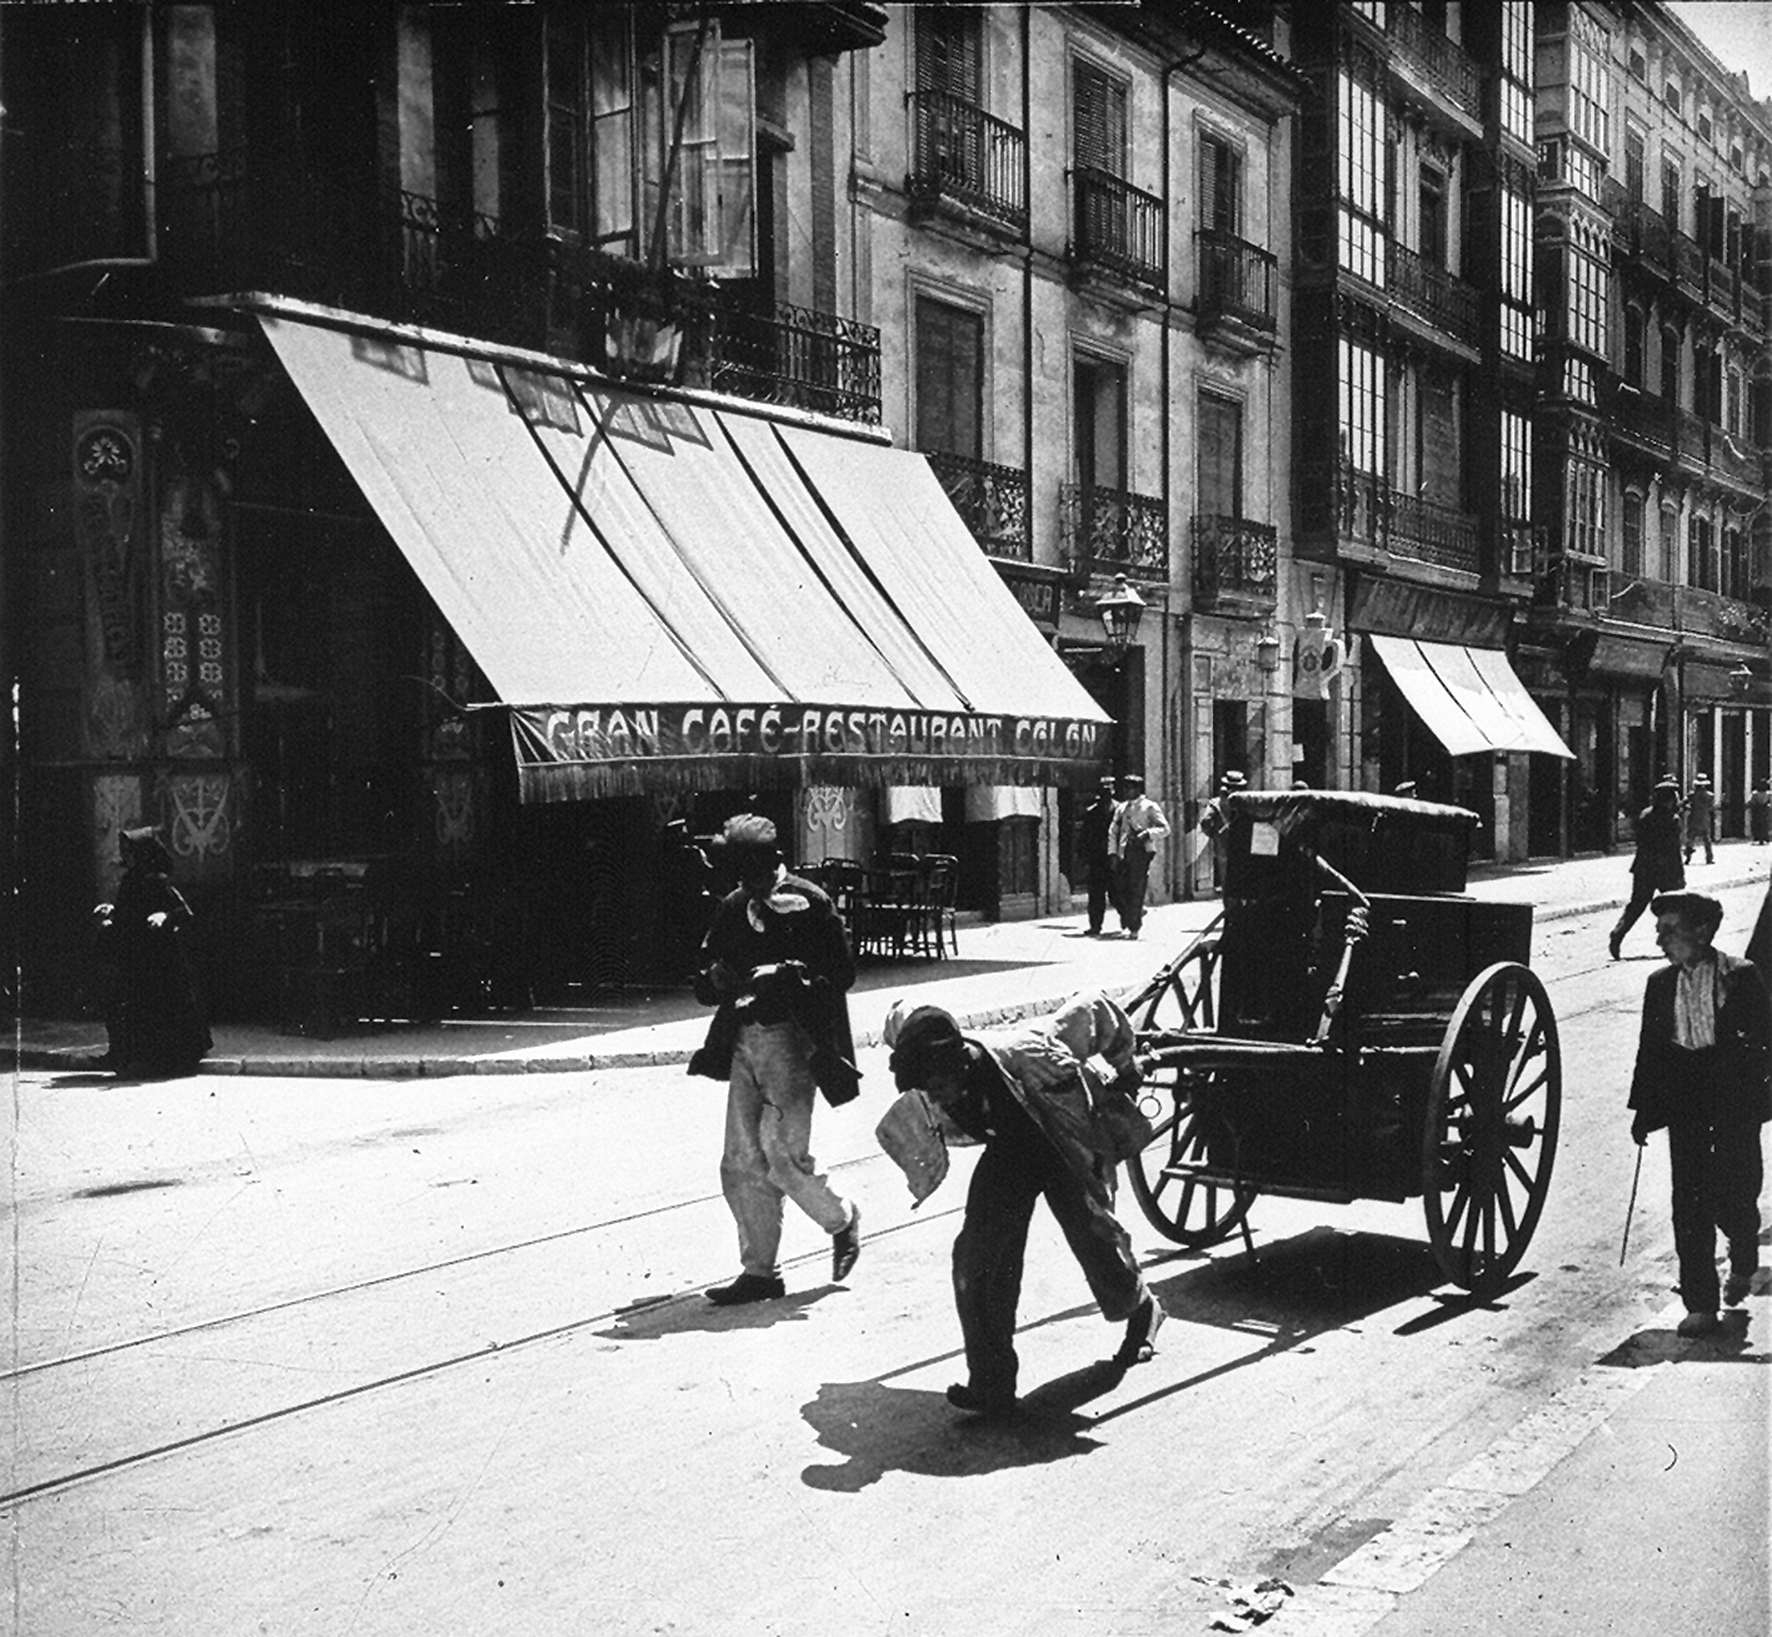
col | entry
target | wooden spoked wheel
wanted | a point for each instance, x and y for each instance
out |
(1490, 1132)
(1192, 1211)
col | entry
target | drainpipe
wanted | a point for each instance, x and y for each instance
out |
(1175, 699)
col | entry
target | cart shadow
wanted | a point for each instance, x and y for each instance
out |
(879, 1428)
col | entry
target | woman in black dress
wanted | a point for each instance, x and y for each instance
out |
(155, 1016)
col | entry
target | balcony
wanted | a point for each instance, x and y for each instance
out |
(1688, 263)
(961, 157)
(1643, 233)
(1118, 229)
(992, 500)
(1646, 418)
(1444, 68)
(1236, 565)
(1431, 533)
(1235, 305)
(223, 229)
(1109, 531)
(799, 357)
(1444, 302)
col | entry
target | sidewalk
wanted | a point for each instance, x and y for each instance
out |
(1004, 970)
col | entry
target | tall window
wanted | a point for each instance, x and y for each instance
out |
(950, 379)
(1587, 293)
(1667, 569)
(1631, 558)
(1516, 466)
(1670, 191)
(1735, 564)
(1584, 497)
(1099, 115)
(1516, 69)
(1099, 390)
(1634, 160)
(1589, 48)
(1362, 181)
(653, 155)
(1432, 200)
(1220, 456)
(1221, 185)
(1516, 273)
(950, 52)
(1670, 365)
(1362, 409)
(1701, 554)
(1633, 346)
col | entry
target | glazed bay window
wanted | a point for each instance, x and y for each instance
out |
(1362, 408)
(1515, 509)
(1516, 70)
(1584, 500)
(1589, 50)
(1587, 280)
(1516, 273)
(1362, 183)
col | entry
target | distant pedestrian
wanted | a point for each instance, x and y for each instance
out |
(777, 961)
(1094, 859)
(1027, 1100)
(1759, 946)
(1702, 1074)
(1137, 828)
(1759, 812)
(1215, 817)
(1701, 818)
(154, 1013)
(1658, 865)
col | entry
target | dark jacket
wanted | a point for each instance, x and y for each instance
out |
(811, 991)
(1660, 856)
(1661, 1088)
(1092, 833)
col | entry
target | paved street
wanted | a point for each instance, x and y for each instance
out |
(409, 1355)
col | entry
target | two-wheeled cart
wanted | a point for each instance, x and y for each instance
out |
(1352, 1026)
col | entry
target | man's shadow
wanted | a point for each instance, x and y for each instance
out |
(1727, 1344)
(652, 1318)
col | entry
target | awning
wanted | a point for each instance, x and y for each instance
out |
(672, 595)
(1469, 698)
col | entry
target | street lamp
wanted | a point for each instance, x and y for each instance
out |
(1120, 611)
(1741, 679)
(1267, 651)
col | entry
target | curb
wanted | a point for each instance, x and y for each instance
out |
(398, 1066)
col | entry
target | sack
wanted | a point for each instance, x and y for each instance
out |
(912, 1140)
(1119, 1128)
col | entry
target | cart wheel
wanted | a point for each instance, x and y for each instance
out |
(1184, 995)
(1189, 1210)
(1490, 1133)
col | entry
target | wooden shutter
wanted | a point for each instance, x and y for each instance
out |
(1221, 186)
(1100, 119)
(950, 371)
(949, 53)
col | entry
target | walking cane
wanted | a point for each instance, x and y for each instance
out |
(1630, 1209)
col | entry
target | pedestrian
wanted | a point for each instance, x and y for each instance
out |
(1137, 828)
(777, 962)
(1094, 857)
(1701, 1073)
(154, 1014)
(1026, 1100)
(1701, 810)
(1658, 865)
(1759, 812)
(1759, 946)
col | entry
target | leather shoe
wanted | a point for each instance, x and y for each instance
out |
(1736, 1287)
(1616, 945)
(1698, 1324)
(985, 1406)
(846, 1246)
(747, 1287)
(1141, 1333)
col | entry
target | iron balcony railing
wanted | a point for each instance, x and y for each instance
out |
(1432, 533)
(1236, 563)
(1370, 512)
(991, 499)
(797, 356)
(1644, 416)
(1236, 279)
(1445, 66)
(1114, 531)
(1118, 227)
(1432, 293)
(960, 153)
(225, 228)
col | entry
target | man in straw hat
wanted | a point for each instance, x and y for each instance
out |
(1701, 818)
